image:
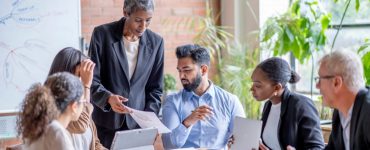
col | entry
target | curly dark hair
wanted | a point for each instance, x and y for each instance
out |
(37, 111)
(43, 104)
(66, 88)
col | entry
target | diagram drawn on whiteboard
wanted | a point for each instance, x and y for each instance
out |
(18, 62)
(31, 34)
(25, 13)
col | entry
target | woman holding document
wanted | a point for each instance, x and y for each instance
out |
(289, 119)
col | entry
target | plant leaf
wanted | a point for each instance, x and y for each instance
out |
(363, 47)
(325, 20)
(366, 64)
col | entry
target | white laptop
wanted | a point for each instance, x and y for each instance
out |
(137, 139)
(246, 134)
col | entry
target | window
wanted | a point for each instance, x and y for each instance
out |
(356, 27)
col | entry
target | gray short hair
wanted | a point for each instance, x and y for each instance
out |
(347, 64)
(131, 6)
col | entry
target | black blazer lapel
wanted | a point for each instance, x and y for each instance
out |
(119, 48)
(284, 106)
(144, 54)
(356, 115)
(284, 103)
(121, 57)
(337, 132)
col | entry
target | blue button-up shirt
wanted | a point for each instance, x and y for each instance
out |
(213, 133)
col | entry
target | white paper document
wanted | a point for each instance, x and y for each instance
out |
(147, 119)
(246, 133)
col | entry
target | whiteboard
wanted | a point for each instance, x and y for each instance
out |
(31, 33)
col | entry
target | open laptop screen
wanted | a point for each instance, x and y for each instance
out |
(142, 139)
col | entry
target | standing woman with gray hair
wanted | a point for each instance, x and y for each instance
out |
(129, 69)
(289, 119)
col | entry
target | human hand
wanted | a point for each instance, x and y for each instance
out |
(230, 142)
(201, 113)
(158, 144)
(86, 69)
(262, 146)
(116, 103)
(290, 147)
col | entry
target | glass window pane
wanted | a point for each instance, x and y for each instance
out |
(352, 17)
(269, 8)
(348, 38)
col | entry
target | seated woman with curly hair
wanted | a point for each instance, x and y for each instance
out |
(48, 109)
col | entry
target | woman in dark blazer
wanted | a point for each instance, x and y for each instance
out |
(289, 119)
(129, 69)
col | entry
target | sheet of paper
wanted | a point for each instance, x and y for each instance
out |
(246, 133)
(147, 119)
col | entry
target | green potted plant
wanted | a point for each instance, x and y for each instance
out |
(300, 30)
(364, 51)
(234, 61)
(237, 67)
(169, 84)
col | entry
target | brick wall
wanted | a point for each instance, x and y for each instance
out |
(166, 14)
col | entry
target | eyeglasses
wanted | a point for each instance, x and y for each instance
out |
(317, 79)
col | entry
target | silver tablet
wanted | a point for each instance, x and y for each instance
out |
(137, 139)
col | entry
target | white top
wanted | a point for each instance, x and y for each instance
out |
(55, 137)
(82, 141)
(270, 133)
(346, 125)
(131, 49)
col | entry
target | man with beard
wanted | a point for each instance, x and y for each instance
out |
(201, 115)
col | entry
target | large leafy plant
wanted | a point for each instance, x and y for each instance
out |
(235, 62)
(301, 31)
(237, 68)
(364, 50)
(213, 37)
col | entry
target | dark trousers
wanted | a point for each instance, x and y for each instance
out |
(106, 135)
